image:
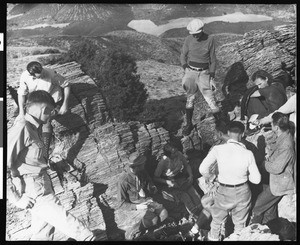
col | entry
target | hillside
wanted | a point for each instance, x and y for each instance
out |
(97, 19)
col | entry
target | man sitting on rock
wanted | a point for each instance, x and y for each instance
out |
(29, 185)
(280, 164)
(236, 165)
(264, 98)
(35, 77)
(134, 189)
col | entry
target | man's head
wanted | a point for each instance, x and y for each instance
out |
(221, 130)
(35, 69)
(280, 122)
(169, 149)
(40, 105)
(262, 78)
(136, 162)
(195, 28)
(236, 130)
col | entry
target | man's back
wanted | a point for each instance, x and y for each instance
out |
(234, 161)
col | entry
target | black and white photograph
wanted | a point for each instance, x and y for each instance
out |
(150, 122)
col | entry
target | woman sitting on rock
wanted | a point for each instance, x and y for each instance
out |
(174, 172)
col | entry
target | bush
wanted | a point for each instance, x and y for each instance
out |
(119, 82)
(115, 73)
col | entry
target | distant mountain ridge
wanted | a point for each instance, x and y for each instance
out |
(97, 19)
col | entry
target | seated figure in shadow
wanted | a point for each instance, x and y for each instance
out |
(264, 98)
(175, 176)
(135, 188)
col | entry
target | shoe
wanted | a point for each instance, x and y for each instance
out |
(187, 129)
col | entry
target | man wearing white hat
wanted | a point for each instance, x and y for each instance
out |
(134, 189)
(198, 60)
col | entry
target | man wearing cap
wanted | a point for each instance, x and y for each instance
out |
(29, 186)
(134, 189)
(236, 165)
(198, 60)
(36, 77)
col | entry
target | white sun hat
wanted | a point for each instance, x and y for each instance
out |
(195, 26)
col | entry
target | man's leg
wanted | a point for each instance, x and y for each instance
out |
(49, 209)
(41, 230)
(241, 211)
(195, 197)
(190, 86)
(264, 202)
(203, 83)
(47, 136)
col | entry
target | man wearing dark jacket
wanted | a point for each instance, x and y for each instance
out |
(134, 189)
(198, 60)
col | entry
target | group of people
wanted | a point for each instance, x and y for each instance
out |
(228, 168)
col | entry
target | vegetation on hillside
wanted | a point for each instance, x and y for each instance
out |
(115, 72)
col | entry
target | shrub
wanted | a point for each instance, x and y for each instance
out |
(119, 82)
(116, 74)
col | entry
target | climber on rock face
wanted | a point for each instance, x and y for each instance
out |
(135, 188)
(29, 186)
(198, 60)
(35, 77)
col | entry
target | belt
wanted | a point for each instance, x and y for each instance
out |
(197, 69)
(232, 185)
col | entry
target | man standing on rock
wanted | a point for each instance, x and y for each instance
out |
(35, 77)
(236, 165)
(198, 60)
(280, 165)
(29, 185)
(134, 189)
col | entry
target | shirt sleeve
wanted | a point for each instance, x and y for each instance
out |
(23, 88)
(184, 52)
(289, 106)
(254, 174)
(210, 159)
(122, 196)
(17, 140)
(212, 55)
(278, 160)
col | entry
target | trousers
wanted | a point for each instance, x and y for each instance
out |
(48, 213)
(236, 200)
(193, 81)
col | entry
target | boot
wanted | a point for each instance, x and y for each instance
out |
(187, 129)
(47, 140)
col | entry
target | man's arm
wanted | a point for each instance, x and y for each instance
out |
(123, 198)
(187, 168)
(254, 174)
(65, 105)
(210, 159)
(21, 100)
(279, 159)
(184, 54)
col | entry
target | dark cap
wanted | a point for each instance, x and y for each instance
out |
(135, 159)
(235, 126)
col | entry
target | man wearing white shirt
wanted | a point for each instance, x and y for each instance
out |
(236, 166)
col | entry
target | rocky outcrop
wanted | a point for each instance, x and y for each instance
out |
(95, 152)
(261, 49)
(254, 232)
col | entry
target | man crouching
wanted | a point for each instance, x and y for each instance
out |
(134, 189)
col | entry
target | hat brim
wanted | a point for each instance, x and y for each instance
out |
(195, 32)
